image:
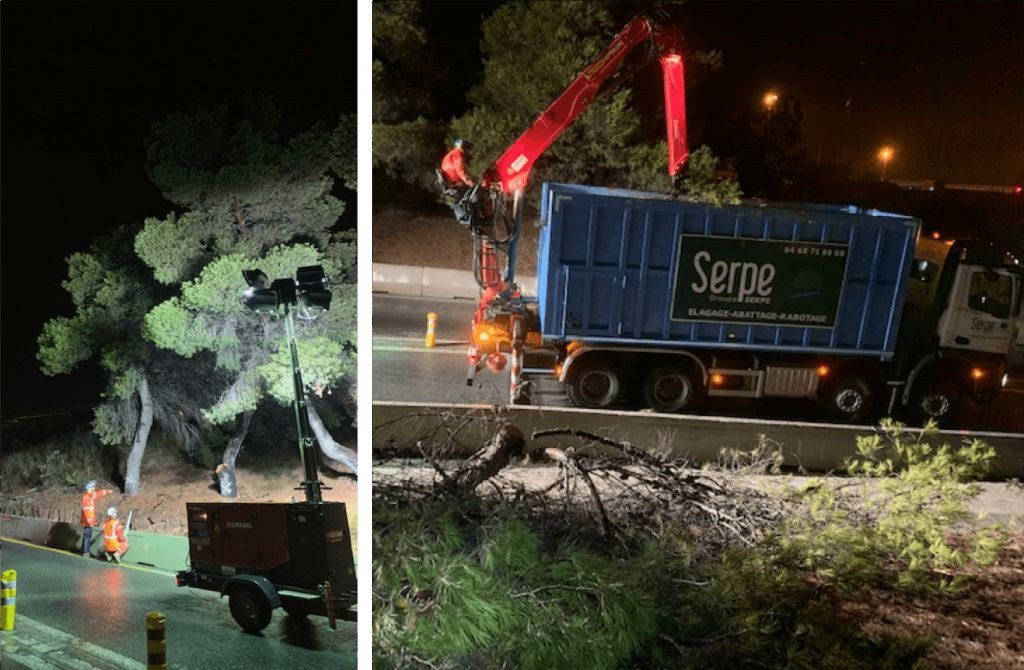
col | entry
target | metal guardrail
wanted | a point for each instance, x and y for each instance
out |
(814, 446)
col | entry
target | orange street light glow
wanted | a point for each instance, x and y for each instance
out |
(769, 99)
(885, 155)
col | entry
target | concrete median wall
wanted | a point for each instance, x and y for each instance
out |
(164, 552)
(434, 282)
(816, 447)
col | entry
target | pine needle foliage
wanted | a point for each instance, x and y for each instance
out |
(478, 596)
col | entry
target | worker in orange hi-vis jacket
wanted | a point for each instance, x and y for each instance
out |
(453, 165)
(89, 498)
(115, 544)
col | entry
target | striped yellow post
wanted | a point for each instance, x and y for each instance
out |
(156, 642)
(9, 582)
(431, 338)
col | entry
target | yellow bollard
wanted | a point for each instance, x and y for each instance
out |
(156, 642)
(7, 598)
(431, 338)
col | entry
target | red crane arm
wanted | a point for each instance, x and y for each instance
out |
(512, 169)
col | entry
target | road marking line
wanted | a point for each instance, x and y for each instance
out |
(63, 552)
(416, 345)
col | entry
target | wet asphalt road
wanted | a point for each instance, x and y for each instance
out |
(106, 605)
(403, 370)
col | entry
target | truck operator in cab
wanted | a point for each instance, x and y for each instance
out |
(115, 544)
(89, 498)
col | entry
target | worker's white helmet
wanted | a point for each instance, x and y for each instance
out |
(89, 485)
(457, 143)
(111, 511)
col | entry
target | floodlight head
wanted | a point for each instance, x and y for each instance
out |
(256, 279)
(258, 297)
(285, 290)
(314, 290)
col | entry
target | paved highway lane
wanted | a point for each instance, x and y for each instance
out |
(76, 608)
(405, 371)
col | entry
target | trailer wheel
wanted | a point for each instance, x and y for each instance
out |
(670, 388)
(850, 399)
(596, 383)
(249, 608)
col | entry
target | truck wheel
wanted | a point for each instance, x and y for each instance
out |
(249, 609)
(851, 399)
(938, 402)
(596, 383)
(670, 388)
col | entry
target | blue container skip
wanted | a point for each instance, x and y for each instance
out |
(634, 268)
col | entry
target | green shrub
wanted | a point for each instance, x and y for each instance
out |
(68, 459)
(895, 522)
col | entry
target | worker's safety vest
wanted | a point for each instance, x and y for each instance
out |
(453, 167)
(88, 509)
(110, 541)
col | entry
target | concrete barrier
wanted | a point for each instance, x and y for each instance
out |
(434, 282)
(443, 283)
(25, 528)
(164, 552)
(814, 446)
(397, 279)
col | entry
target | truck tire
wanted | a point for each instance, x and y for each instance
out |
(935, 401)
(671, 388)
(596, 383)
(851, 399)
(249, 608)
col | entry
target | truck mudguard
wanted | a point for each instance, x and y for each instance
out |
(627, 267)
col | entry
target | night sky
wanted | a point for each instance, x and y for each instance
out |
(941, 82)
(81, 84)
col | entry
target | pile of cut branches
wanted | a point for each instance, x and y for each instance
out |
(616, 495)
(592, 552)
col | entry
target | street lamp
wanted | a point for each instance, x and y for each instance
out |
(770, 99)
(885, 155)
(308, 294)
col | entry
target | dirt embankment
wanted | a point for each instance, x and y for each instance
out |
(429, 236)
(160, 506)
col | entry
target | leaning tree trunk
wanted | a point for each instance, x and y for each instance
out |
(225, 472)
(328, 447)
(132, 477)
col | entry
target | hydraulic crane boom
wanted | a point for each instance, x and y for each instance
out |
(512, 169)
(502, 321)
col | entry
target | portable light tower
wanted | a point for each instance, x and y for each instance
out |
(309, 295)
